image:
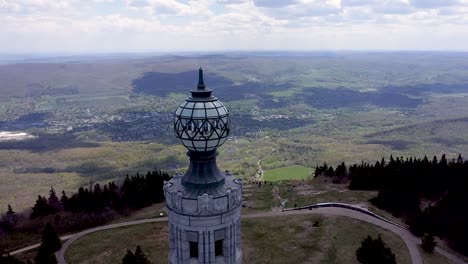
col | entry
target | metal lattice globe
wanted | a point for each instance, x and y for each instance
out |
(202, 121)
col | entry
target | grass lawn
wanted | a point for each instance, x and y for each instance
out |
(110, 246)
(335, 240)
(301, 193)
(296, 172)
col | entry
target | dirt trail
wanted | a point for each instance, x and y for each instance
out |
(277, 194)
(260, 171)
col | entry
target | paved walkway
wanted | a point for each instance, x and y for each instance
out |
(411, 241)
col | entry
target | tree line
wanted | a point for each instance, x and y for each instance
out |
(86, 208)
(136, 192)
(429, 194)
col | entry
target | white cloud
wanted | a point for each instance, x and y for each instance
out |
(172, 7)
(118, 25)
(230, 2)
(297, 9)
(433, 3)
(274, 3)
(33, 5)
(358, 2)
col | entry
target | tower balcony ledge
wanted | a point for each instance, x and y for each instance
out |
(203, 202)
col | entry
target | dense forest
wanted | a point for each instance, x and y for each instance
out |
(430, 195)
(136, 192)
(85, 208)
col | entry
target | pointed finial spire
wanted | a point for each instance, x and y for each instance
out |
(201, 84)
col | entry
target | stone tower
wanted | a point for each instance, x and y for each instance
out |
(203, 204)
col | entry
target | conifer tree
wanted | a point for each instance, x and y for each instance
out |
(443, 160)
(11, 218)
(41, 208)
(98, 197)
(50, 239)
(330, 172)
(317, 171)
(10, 210)
(428, 243)
(50, 243)
(45, 257)
(53, 201)
(64, 200)
(374, 251)
(129, 258)
(140, 257)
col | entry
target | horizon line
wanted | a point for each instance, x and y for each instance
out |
(81, 52)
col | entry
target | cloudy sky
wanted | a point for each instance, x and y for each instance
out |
(200, 25)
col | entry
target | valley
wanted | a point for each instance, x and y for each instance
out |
(98, 119)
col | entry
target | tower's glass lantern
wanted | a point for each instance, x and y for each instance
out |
(202, 122)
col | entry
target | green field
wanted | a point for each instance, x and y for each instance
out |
(296, 172)
(335, 240)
